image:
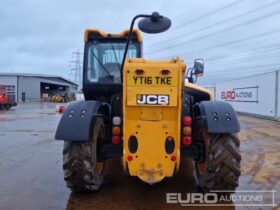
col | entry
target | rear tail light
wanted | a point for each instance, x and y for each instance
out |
(116, 131)
(187, 130)
(187, 140)
(116, 139)
(187, 121)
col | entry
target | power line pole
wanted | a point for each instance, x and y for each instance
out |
(77, 69)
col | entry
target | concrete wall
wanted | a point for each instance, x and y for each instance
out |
(9, 80)
(253, 95)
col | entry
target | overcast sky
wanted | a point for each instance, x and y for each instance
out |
(236, 38)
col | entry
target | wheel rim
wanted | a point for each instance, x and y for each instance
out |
(100, 166)
(201, 168)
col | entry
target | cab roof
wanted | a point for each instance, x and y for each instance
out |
(102, 34)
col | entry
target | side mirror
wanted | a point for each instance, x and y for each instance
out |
(152, 24)
(198, 68)
(155, 23)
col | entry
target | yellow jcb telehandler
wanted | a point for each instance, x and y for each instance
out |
(147, 112)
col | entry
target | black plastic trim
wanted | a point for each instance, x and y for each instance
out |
(77, 121)
(220, 117)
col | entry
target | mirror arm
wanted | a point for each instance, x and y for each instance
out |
(190, 70)
(195, 79)
(128, 39)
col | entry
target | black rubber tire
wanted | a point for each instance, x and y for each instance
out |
(8, 106)
(5, 107)
(80, 162)
(221, 169)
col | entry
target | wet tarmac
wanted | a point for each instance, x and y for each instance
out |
(31, 175)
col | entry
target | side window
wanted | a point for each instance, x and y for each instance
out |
(92, 67)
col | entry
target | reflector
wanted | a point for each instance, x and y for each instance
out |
(173, 158)
(129, 158)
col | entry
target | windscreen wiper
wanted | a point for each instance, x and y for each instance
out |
(115, 55)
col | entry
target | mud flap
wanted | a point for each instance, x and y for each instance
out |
(77, 120)
(220, 117)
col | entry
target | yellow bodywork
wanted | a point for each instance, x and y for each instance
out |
(124, 33)
(198, 88)
(155, 120)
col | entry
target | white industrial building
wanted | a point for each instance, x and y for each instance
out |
(256, 94)
(32, 87)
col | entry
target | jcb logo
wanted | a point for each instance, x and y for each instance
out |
(152, 99)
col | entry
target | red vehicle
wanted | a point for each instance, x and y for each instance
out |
(7, 97)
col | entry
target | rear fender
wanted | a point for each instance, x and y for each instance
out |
(219, 117)
(77, 121)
